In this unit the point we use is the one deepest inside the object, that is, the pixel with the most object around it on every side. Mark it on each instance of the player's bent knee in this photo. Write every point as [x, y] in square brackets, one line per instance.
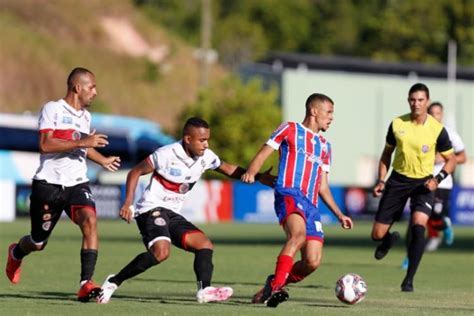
[313, 264]
[160, 253]
[297, 240]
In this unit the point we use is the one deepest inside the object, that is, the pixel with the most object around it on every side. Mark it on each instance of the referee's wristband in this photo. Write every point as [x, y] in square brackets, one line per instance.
[441, 176]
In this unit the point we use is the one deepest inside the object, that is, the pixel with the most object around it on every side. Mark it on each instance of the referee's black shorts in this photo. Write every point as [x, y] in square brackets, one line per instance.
[398, 190]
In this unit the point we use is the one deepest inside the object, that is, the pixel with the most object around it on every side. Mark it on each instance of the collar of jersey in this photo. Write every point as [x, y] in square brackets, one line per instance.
[183, 156]
[307, 129]
[70, 109]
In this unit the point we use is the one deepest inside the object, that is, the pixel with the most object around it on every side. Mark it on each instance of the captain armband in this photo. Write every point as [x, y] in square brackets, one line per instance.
[441, 176]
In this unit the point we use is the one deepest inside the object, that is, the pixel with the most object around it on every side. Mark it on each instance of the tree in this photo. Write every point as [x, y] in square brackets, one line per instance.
[241, 117]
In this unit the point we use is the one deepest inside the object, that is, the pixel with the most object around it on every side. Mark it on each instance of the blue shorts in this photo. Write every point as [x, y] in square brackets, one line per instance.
[289, 201]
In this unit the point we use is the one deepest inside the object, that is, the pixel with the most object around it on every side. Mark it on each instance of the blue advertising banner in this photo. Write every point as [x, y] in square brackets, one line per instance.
[462, 206]
[254, 204]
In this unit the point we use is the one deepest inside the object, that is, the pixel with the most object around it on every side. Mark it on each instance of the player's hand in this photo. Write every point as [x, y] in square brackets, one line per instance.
[127, 212]
[267, 178]
[378, 189]
[431, 184]
[111, 163]
[346, 222]
[95, 140]
[247, 178]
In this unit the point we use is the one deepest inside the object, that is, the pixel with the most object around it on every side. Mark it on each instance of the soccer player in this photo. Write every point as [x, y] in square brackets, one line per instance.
[304, 163]
[440, 219]
[415, 137]
[60, 183]
[175, 168]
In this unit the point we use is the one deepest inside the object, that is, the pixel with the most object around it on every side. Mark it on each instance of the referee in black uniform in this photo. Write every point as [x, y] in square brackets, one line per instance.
[415, 137]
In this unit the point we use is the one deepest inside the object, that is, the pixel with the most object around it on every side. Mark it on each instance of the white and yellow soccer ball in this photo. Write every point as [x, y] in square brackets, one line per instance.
[351, 288]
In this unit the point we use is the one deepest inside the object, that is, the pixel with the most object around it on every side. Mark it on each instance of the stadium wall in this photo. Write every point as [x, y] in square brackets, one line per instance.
[364, 106]
[217, 201]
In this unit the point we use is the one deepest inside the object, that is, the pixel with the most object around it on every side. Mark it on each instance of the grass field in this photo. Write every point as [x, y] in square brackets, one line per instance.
[244, 256]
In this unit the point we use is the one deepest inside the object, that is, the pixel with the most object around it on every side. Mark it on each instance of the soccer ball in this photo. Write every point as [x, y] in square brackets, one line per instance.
[351, 289]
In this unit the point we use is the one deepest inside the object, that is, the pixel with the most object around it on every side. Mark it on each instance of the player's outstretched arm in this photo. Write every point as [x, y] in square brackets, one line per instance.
[144, 167]
[50, 144]
[326, 196]
[111, 163]
[236, 172]
[256, 164]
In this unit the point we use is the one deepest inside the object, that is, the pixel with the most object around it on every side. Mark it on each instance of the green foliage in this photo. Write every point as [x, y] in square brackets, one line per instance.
[379, 29]
[241, 117]
[239, 40]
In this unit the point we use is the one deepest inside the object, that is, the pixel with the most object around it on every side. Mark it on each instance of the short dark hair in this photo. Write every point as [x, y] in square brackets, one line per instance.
[76, 73]
[318, 98]
[194, 122]
[419, 87]
[434, 104]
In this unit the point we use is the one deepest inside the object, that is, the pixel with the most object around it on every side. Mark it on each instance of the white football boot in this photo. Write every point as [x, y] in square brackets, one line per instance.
[214, 294]
[108, 288]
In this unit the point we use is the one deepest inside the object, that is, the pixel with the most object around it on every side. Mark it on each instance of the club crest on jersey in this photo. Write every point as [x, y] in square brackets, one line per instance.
[46, 217]
[159, 221]
[425, 148]
[183, 188]
[203, 163]
[76, 135]
[155, 213]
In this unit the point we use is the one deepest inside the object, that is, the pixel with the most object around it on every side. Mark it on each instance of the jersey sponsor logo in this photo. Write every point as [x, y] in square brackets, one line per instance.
[46, 217]
[67, 120]
[175, 172]
[46, 207]
[46, 225]
[159, 221]
[155, 213]
[176, 199]
[310, 157]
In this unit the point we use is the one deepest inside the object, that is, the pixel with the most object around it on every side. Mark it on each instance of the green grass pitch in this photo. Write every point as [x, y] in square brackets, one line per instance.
[244, 255]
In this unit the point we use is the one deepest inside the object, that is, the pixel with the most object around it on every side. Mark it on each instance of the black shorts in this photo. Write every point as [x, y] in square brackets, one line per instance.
[161, 223]
[48, 202]
[441, 204]
[397, 191]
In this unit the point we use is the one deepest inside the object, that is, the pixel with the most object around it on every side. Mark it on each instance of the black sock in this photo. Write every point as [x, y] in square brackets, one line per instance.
[415, 249]
[88, 260]
[203, 267]
[18, 253]
[140, 264]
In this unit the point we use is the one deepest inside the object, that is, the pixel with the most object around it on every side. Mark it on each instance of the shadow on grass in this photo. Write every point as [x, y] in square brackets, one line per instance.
[461, 243]
[227, 283]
